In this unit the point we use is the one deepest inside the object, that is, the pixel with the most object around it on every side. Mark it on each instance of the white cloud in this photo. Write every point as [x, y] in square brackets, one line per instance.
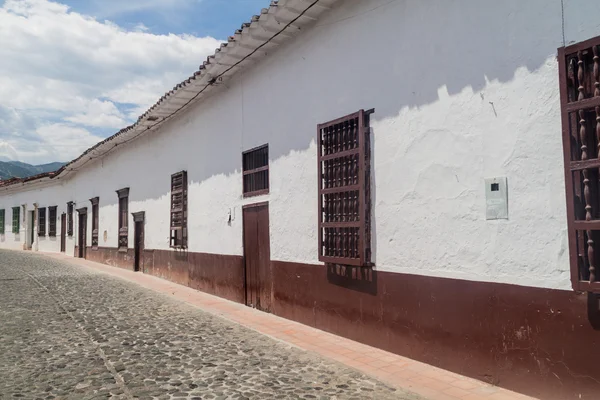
[64, 71]
[8, 152]
[111, 8]
[99, 114]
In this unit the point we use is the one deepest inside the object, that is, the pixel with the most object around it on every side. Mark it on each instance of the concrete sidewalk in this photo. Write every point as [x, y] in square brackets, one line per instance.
[425, 380]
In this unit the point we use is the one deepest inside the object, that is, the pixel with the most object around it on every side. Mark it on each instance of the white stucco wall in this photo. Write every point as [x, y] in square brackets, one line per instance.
[42, 195]
[462, 91]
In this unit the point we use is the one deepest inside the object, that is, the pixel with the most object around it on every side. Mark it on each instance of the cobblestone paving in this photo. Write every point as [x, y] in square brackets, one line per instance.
[70, 333]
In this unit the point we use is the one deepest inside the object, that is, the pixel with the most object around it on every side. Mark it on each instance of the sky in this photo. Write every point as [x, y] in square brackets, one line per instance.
[73, 72]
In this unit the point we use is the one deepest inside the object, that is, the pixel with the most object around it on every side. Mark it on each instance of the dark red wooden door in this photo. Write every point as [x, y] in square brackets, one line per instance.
[138, 244]
[63, 232]
[82, 234]
[257, 255]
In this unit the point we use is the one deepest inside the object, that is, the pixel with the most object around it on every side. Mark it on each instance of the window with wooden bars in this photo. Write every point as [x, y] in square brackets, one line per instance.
[179, 210]
[579, 74]
[42, 221]
[255, 164]
[52, 221]
[344, 154]
[16, 212]
[70, 218]
[95, 221]
[2, 222]
[123, 218]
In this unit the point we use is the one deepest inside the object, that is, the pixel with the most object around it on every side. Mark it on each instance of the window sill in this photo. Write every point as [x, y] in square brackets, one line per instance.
[256, 193]
[122, 249]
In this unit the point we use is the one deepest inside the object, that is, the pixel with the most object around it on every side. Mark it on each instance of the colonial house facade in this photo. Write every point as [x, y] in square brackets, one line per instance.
[420, 176]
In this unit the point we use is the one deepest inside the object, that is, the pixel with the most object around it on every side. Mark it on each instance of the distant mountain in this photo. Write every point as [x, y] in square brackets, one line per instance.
[18, 169]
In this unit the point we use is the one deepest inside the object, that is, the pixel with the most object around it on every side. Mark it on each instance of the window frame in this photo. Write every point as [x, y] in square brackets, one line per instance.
[179, 241]
[583, 227]
[123, 219]
[41, 212]
[16, 216]
[52, 213]
[353, 249]
[95, 221]
[256, 171]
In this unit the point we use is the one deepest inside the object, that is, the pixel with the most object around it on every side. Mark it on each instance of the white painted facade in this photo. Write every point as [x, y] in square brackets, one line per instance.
[462, 91]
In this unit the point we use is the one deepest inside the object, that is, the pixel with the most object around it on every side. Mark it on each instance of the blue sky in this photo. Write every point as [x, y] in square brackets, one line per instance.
[215, 18]
[77, 71]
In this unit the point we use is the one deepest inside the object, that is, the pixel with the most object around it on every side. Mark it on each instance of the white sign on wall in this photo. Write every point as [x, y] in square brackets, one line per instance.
[496, 198]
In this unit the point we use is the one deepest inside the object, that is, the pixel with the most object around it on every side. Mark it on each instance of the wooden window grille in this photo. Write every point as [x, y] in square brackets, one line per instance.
[70, 218]
[255, 164]
[52, 221]
[179, 210]
[579, 75]
[344, 154]
[95, 221]
[123, 218]
[2, 221]
[42, 221]
[16, 211]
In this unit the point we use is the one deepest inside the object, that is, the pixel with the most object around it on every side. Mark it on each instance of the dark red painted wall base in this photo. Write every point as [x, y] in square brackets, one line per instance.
[533, 341]
[221, 275]
[111, 256]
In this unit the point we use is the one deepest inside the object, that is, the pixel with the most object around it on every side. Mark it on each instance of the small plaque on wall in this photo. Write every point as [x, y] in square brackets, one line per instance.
[496, 198]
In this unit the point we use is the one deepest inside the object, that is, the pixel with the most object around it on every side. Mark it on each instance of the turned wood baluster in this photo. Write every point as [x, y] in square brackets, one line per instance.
[335, 172]
[585, 172]
[355, 170]
[346, 242]
[356, 205]
[346, 171]
[596, 94]
[344, 202]
[346, 126]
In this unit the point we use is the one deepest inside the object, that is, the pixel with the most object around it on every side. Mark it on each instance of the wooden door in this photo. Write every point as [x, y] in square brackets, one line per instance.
[31, 227]
[63, 232]
[257, 256]
[138, 244]
[82, 234]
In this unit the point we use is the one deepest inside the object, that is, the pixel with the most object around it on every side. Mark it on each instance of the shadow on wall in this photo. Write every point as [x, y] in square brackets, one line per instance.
[386, 55]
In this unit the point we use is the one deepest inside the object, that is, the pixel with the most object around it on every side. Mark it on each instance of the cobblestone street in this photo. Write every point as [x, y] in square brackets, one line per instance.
[69, 332]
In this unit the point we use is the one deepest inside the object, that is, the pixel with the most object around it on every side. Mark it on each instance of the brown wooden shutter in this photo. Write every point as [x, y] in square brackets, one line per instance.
[16, 220]
[344, 156]
[95, 220]
[42, 221]
[579, 74]
[255, 166]
[123, 219]
[179, 210]
[52, 221]
[70, 218]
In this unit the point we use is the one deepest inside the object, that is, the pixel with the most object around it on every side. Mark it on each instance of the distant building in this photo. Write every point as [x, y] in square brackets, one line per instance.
[389, 171]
